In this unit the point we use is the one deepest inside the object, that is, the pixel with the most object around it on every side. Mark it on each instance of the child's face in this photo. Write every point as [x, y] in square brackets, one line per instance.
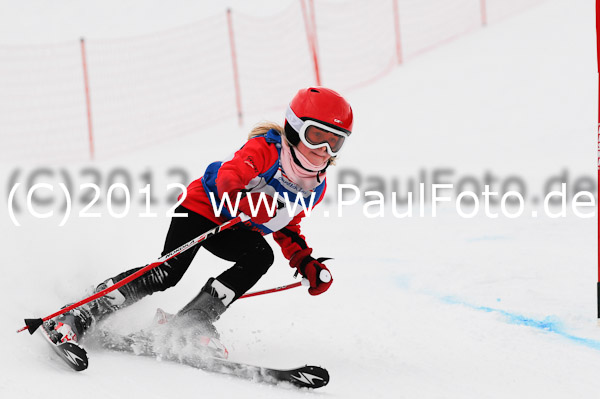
[316, 156]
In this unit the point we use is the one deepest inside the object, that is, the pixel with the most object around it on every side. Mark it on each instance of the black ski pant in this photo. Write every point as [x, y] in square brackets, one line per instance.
[248, 249]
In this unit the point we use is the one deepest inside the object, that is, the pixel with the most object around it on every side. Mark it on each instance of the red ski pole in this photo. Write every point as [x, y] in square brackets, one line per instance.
[33, 324]
[324, 276]
[276, 289]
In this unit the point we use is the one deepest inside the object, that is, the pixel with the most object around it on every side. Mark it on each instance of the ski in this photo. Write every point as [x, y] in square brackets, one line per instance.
[138, 344]
[73, 354]
[302, 377]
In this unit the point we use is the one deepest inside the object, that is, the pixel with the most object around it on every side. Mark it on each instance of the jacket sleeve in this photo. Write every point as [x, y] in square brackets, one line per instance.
[254, 158]
[290, 239]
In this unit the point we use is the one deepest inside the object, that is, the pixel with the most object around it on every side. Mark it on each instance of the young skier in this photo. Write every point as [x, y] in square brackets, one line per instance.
[274, 161]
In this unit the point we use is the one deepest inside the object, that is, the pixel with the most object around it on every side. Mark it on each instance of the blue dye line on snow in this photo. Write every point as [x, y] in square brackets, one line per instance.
[549, 324]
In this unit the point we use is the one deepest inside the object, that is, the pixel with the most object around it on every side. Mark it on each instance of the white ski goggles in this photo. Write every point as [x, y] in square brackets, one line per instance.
[315, 135]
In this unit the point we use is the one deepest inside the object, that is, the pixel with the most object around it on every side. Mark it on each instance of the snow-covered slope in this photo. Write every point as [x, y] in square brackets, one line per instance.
[442, 307]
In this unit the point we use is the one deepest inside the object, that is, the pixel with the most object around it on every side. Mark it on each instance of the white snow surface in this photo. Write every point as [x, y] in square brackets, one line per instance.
[420, 307]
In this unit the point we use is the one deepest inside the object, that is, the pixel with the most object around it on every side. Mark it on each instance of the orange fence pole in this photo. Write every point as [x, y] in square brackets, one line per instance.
[87, 98]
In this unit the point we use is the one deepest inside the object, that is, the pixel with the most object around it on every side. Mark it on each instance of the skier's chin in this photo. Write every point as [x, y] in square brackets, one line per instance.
[318, 157]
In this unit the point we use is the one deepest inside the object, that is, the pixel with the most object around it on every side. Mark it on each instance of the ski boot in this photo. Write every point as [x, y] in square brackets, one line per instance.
[68, 327]
[191, 330]
[184, 341]
[206, 308]
[72, 325]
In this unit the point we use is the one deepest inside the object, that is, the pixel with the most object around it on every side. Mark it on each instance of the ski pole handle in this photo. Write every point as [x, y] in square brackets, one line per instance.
[325, 276]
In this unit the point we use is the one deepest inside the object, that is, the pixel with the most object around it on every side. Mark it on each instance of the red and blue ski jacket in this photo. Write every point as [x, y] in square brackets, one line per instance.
[256, 167]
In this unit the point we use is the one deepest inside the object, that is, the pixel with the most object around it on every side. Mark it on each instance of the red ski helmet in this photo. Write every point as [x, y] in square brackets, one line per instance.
[323, 109]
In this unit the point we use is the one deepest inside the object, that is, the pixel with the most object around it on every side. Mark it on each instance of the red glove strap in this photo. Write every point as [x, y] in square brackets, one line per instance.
[298, 257]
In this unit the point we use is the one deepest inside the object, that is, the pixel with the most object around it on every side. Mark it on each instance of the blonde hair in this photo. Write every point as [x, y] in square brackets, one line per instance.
[263, 127]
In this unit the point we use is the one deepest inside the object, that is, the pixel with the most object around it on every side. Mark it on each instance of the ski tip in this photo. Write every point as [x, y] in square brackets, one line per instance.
[74, 355]
[32, 325]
